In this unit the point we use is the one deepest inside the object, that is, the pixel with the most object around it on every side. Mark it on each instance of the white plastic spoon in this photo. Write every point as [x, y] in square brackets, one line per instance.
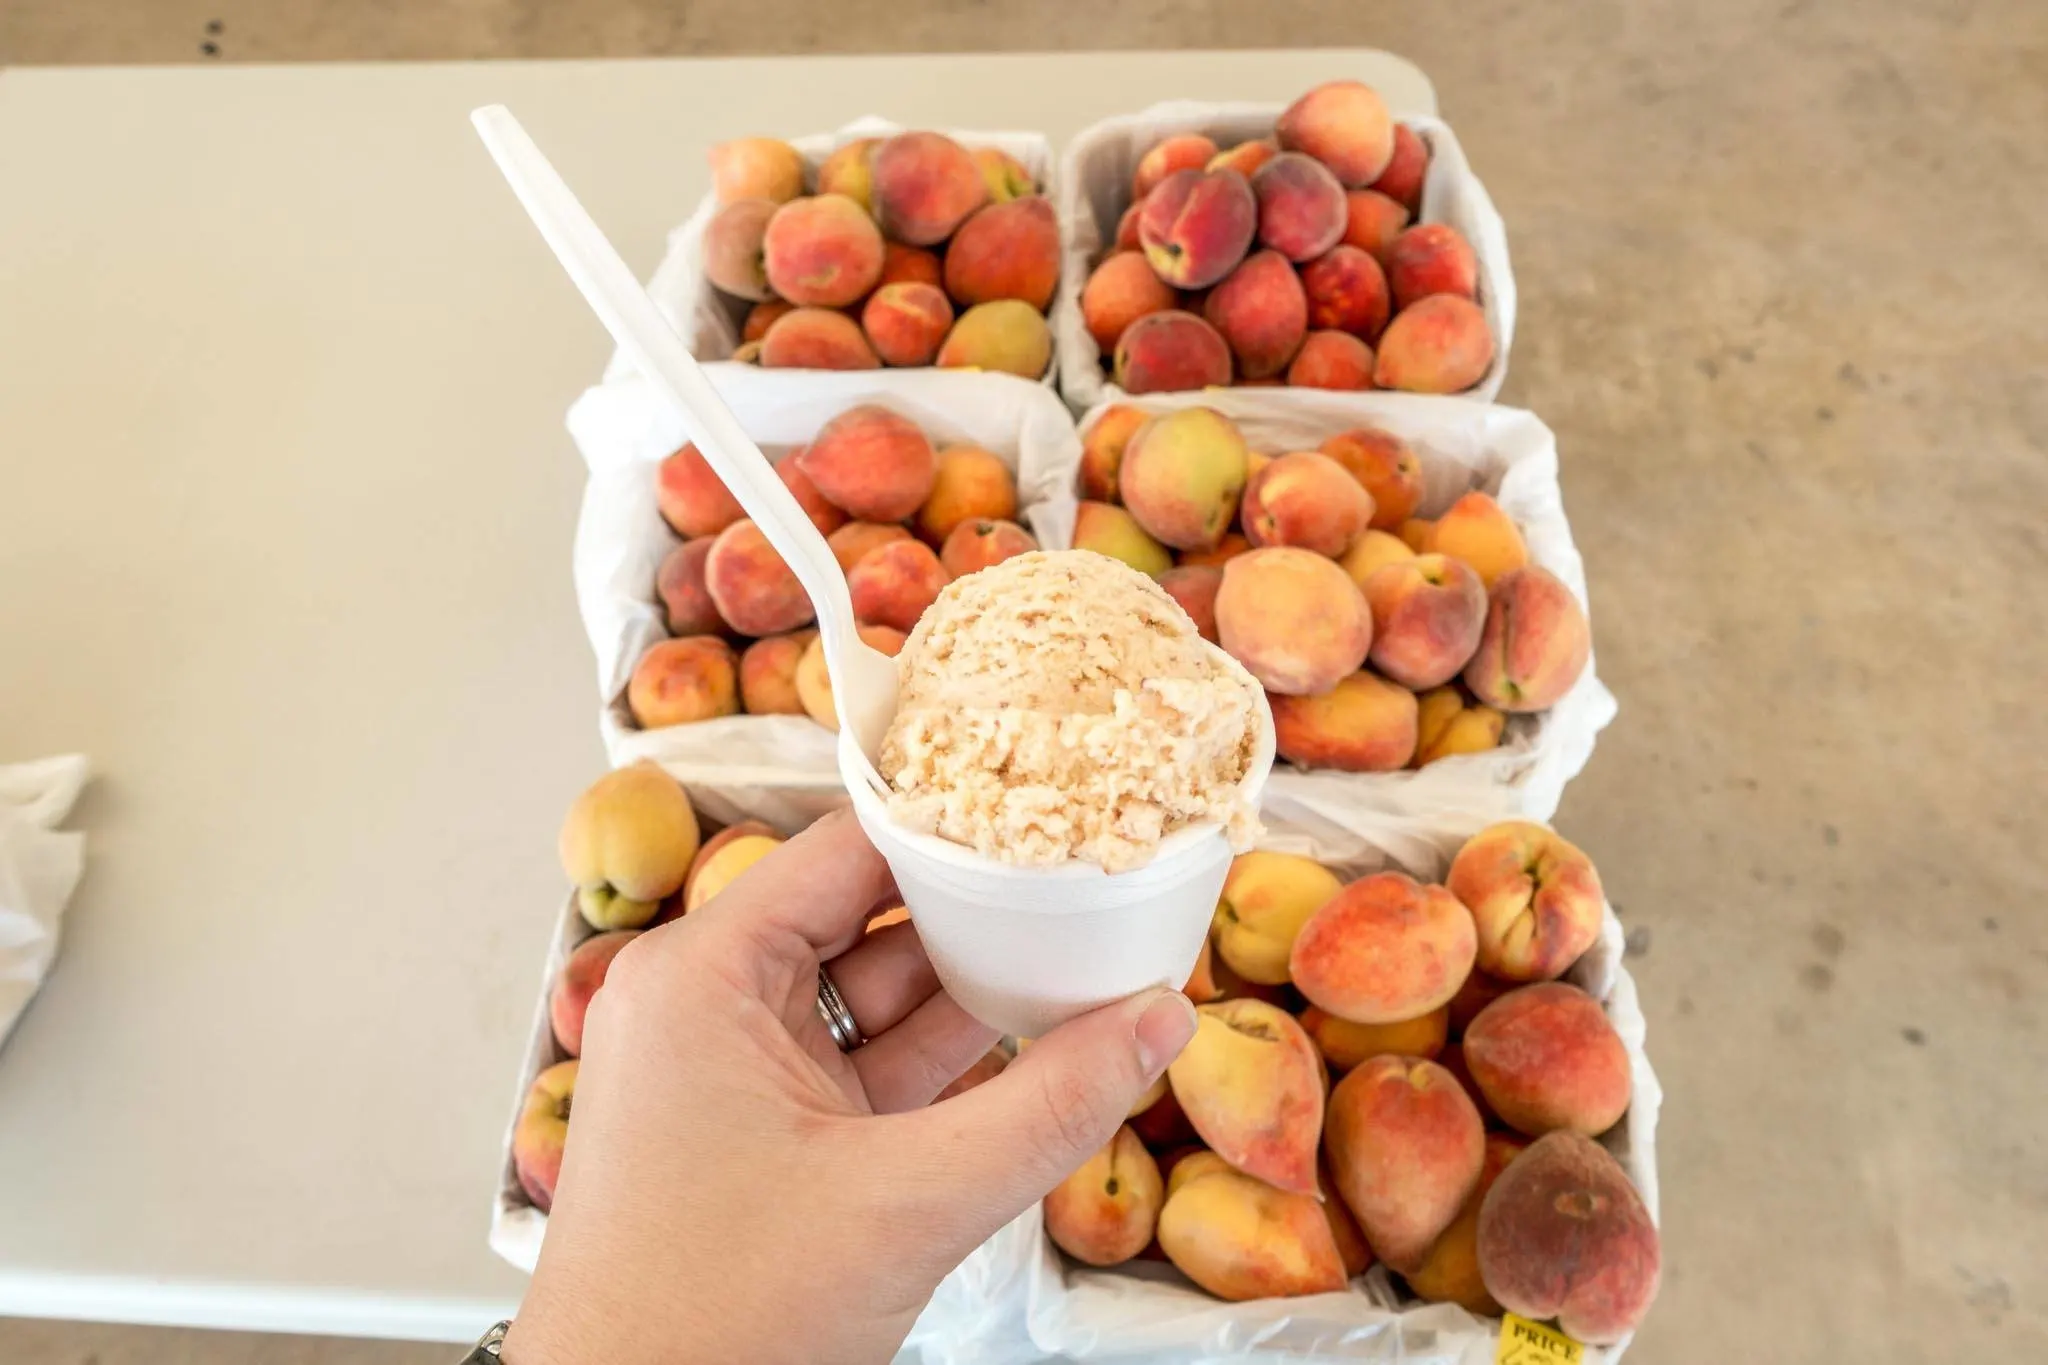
[863, 678]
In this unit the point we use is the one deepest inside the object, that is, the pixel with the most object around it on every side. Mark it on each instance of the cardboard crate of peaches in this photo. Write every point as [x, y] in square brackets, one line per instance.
[1296, 255]
[1391, 1071]
[1385, 639]
[904, 248]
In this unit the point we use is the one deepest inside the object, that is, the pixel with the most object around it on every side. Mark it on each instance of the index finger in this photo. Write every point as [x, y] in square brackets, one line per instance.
[819, 886]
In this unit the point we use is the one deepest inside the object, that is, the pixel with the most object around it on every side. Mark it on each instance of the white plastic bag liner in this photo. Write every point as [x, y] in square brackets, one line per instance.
[625, 431]
[1095, 189]
[39, 868]
[708, 320]
[1463, 446]
[1146, 1310]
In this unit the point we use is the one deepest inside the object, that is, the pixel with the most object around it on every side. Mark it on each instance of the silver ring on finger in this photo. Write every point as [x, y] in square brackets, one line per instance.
[839, 1021]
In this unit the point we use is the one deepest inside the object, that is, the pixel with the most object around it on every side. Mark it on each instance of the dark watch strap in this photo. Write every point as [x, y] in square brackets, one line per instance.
[488, 1346]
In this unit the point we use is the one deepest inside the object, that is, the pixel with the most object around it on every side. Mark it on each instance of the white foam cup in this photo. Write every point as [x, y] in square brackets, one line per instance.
[1024, 949]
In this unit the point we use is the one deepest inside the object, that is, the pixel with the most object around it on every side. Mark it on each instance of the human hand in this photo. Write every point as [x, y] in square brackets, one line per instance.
[736, 1189]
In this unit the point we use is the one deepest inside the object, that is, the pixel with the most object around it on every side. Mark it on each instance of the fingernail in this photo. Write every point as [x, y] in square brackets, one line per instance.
[1163, 1030]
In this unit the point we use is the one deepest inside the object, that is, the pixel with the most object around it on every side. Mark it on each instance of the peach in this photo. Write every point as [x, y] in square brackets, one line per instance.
[1227, 549]
[1193, 1165]
[723, 859]
[1266, 899]
[1119, 292]
[581, 976]
[1385, 949]
[1252, 1085]
[1372, 222]
[1447, 725]
[1241, 1239]
[894, 583]
[1479, 991]
[626, 843]
[1005, 176]
[1181, 152]
[1245, 158]
[1105, 1212]
[1170, 350]
[1345, 1044]
[1102, 449]
[851, 542]
[1127, 230]
[817, 339]
[1535, 900]
[1007, 335]
[1302, 212]
[746, 353]
[985, 1068]
[975, 545]
[911, 265]
[899, 914]
[1406, 1148]
[685, 602]
[814, 683]
[1347, 292]
[1439, 345]
[1181, 476]
[751, 586]
[817, 507]
[756, 168]
[543, 1131]
[1197, 225]
[1450, 1272]
[846, 172]
[1427, 613]
[1452, 1059]
[691, 498]
[925, 185]
[1418, 534]
[1563, 1234]
[1006, 251]
[762, 316]
[906, 323]
[681, 681]
[1364, 724]
[1331, 360]
[1373, 550]
[1306, 499]
[1261, 312]
[1535, 644]
[1293, 619]
[1205, 982]
[1344, 125]
[1546, 1058]
[768, 675]
[1163, 1123]
[735, 243]
[872, 462]
[1110, 530]
[1431, 258]
[1388, 468]
[1479, 531]
[1194, 587]
[972, 485]
[823, 251]
[1402, 180]
[1154, 1093]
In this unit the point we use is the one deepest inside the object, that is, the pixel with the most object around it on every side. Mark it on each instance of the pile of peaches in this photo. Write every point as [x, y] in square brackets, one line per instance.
[902, 517]
[1290, 260]
[910, 250]
[1308, 565]
[1456, 1145]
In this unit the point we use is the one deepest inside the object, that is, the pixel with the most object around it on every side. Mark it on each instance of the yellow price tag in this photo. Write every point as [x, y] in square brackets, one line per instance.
[1523, 1342]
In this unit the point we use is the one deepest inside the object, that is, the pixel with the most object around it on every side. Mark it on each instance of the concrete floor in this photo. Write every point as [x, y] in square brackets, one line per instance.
[1783, 301]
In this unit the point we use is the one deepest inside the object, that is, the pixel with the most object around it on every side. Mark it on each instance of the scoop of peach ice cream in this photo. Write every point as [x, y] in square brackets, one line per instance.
[1061, 706]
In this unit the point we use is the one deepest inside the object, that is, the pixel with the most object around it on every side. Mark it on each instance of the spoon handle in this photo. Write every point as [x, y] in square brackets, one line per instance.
[665, 362]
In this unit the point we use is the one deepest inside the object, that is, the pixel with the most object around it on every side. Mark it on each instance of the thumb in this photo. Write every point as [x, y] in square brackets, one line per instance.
[1024, 1131]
